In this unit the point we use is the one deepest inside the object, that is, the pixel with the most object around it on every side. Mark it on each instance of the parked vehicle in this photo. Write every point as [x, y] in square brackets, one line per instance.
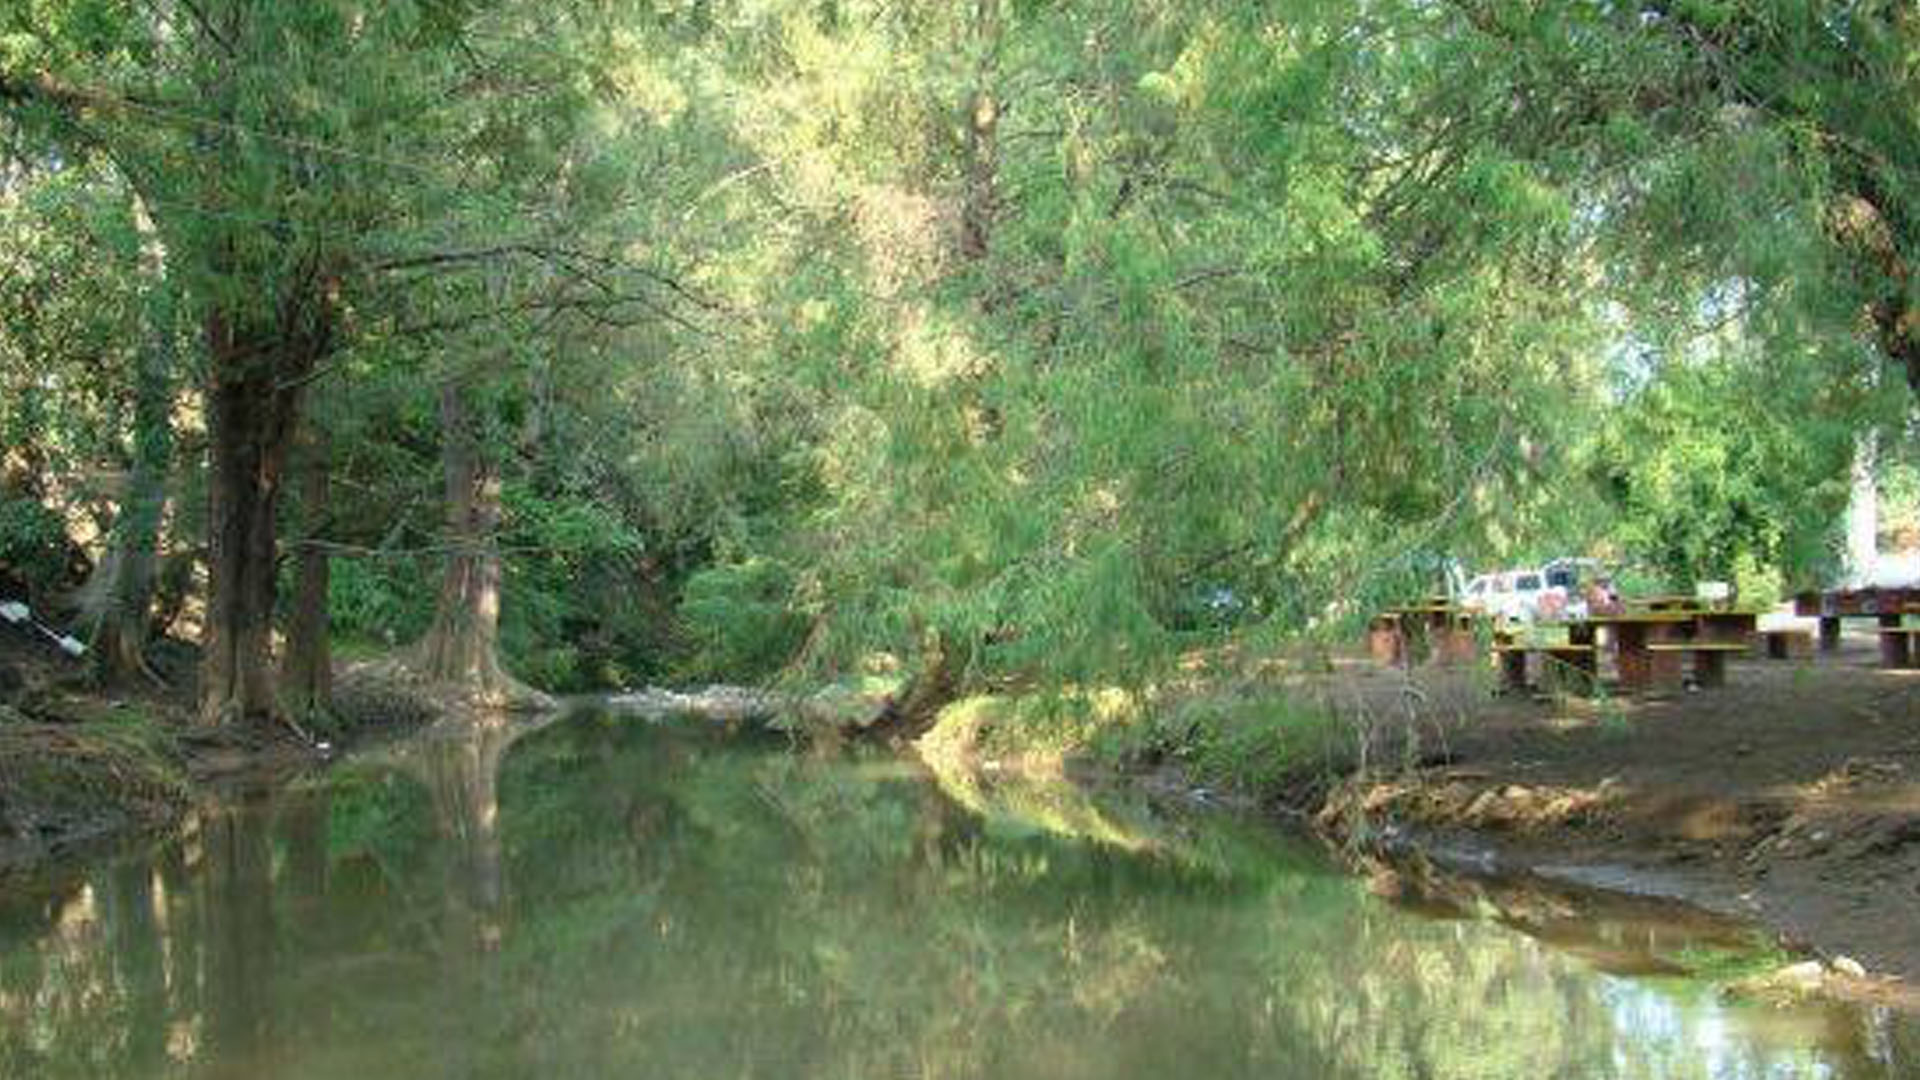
[1572, 575]
[1551, 592]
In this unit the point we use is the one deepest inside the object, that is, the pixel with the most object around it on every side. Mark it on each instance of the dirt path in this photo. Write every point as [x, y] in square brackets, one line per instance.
[1791, 796]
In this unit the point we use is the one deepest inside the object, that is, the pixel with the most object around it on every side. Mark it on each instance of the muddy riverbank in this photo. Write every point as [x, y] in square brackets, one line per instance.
[1791, 798]
[84, 767]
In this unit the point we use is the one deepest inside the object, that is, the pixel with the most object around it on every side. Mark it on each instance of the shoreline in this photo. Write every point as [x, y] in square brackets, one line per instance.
[86, 771]
[1480, 862]
[1461, 869]
[1789, 801]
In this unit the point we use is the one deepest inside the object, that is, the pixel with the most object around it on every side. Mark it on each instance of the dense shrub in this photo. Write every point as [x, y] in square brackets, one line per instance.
[740, 621]
[33, 548]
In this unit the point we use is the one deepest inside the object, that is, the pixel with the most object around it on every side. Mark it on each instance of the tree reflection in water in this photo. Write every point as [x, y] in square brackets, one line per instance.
[614, 899]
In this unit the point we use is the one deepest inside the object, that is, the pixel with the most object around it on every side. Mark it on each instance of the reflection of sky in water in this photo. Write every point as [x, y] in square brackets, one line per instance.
[1694, 1033]
[616, 902]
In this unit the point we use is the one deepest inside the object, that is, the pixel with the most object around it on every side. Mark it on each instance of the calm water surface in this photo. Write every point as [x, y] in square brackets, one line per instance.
[604, 898]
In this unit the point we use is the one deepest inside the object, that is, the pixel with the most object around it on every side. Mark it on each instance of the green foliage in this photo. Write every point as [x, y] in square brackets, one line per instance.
[741, 620]
[570, 570]
[1715, 474]
[785, 360]
[71, 328]
[1197, 354]
[1033, 726]
[383, 600]
[33, 547]
[1251, 743]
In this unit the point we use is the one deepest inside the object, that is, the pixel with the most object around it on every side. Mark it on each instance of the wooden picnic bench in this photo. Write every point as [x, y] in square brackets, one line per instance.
[1652, 648]
[1885, 605]
[1640, 668]
[1785, 644]
[1434, 629]
[1568, 664]
[1709, 657]
[1897, 648]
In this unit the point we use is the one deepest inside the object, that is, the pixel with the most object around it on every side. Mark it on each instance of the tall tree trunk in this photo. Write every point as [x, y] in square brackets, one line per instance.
[271, 309]
[306, 675]
[125, 596]
[252, 404]
[248, 451]
[462, 646]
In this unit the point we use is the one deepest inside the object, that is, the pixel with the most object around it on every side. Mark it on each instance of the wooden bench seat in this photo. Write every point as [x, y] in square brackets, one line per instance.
[1384, 639]
[1709, 657]
[1785, 644]
[1897, 648]
[1565, 664]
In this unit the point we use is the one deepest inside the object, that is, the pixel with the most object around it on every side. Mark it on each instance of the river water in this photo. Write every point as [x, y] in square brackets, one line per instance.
[600, 897]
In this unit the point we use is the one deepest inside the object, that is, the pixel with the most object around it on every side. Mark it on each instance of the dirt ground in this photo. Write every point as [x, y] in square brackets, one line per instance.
[1790, 796]
[84, 766]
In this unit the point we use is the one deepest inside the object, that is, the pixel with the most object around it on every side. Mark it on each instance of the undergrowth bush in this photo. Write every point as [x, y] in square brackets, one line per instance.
[383, 600]
[739, 620]
[32, 546]
[1250, 743]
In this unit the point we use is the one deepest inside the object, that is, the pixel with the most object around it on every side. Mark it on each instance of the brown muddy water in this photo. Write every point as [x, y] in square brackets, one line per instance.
[599, 897]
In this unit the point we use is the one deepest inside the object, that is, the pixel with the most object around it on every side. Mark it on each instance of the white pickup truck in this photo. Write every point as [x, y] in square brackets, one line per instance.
[1522, 595]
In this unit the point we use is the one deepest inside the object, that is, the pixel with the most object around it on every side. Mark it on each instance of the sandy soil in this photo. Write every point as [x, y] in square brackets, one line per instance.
[1790, 796]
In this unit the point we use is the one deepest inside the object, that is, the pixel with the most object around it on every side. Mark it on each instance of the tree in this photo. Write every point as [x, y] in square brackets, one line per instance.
[1773, 142]
[89, 363]
[1224, 330]
[984, 342]
[462, 646]
[306, 672]
[266, 139]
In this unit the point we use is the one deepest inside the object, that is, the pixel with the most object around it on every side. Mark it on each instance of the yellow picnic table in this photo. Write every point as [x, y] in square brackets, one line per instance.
[1651, 647]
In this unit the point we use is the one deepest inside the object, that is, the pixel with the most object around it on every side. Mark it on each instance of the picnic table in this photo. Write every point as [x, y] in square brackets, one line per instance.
[1651, 643]
[1898, 647]
[1717, 635]
[1568, 660]
[1886, 606]
[1435, 626]
[1650, 647]
[1633, 635]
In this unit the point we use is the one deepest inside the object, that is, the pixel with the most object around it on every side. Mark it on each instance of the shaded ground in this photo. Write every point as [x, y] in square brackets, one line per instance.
[1791, 796]
[84, 765]
[80, 765]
